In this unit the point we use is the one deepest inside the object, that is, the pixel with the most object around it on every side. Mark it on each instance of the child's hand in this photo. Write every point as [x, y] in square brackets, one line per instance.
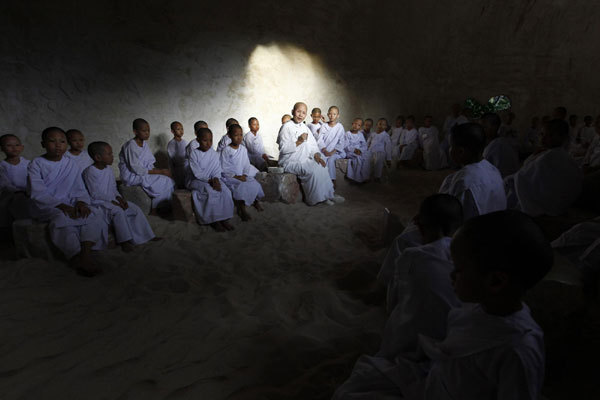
[319, 160]
[82, 209]
[167, 172]
[67, 210]
[215, 183]
[357, 151]
[301, 139]
[240, 177]
[123, 202]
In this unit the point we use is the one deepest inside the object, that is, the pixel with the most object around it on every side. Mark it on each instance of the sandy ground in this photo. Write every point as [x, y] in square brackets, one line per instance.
[277, 309]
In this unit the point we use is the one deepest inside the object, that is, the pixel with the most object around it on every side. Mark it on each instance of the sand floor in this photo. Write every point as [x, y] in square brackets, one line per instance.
[277, 309]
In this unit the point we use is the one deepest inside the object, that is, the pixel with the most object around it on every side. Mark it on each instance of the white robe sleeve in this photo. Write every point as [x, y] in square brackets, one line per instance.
[37, 189]
[133, 161]
[287, 143]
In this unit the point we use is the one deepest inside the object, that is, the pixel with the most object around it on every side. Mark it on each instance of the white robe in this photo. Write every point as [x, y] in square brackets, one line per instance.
[587, 134]
[209, 205]
[130, 224]
[433, 157]
[134, 164]
[13, 179]
[359, 165]
[479, 188]
[314, 128]
[419, 297]
[501, 154]
[395, 139]
[177, 154]
[547, 184]
[380, 147]
[235, 162]
[52, 183]
[410, 141]
[332, 138]
[83, 160]
[581, 244]
[592, 156]
[256, 149]
[299, 160]
[224, 142]
[483, 357]
[366, 134]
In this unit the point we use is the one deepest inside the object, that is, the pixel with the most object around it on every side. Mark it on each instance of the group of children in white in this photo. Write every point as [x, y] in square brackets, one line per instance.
[457, 327]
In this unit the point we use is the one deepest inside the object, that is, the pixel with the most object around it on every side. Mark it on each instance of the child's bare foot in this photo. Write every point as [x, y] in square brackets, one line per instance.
[227, 225]
[257, 205]
[127, 247]
[244, 215]
[218, 227]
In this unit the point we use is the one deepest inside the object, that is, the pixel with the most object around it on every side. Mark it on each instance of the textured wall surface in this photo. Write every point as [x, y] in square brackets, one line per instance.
[98, 65]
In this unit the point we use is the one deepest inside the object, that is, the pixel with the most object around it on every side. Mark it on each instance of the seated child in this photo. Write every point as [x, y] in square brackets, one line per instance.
[359, 159]
[286, 118]
[225, 139]
[238, 174]
[396, 134]
[493, 348]
[434, 157]
[176, 150]
[550, 181]
[59, 197]
[316, 123]
[331, 141]
[419, 289]
[127, 219]
[254, 144]
[14, 203]
[478, 184]
[136, 165]
[366, 131]
[77, 151]
[499, 150]
[380, 147]
[408, 143]
[193, 145]
[212, 201]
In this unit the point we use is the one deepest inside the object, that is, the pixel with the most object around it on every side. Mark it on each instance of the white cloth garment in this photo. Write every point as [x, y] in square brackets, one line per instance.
[419, 297]
[177, 156]
[82, 160]
[478, 186]
[224, 142]
[587, 134]
[332, 138]
[130, 224]
[483, 357]
[410, 141]
[235, 162]
[581, 244]
[134, 164]
[299, 160]
[366, 134]
[13, 179]
[433, 157]
[547, 184]
[52, 183]
[395, 139]
[592, 156]
[210, 205]
[256, 149]
[501, 154]
[314, 128]
[359, 165]
[380, 147]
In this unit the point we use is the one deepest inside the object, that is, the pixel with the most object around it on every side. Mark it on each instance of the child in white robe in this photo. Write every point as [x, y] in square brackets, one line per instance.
[176, 149]
[317, 122]
[285, 118]
[433, 157]
[493, 348]
[478, 184]
[366, 131]
[359, 159]
[418, 279]
[408, 143]
[550, 181]
[331, 141]
[127, 219]
[136, 166]
[396, 134]
[254, 144]
[238, 174]
[193, 145]
[225, 139]
[380, 147]
[212, 200]
[59, 197]
[14, 203]
[299, 155]
[77, 151]
[499, 150]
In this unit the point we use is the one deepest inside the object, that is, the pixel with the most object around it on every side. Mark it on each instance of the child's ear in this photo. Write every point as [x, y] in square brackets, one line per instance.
[43, 145]
[497, 281]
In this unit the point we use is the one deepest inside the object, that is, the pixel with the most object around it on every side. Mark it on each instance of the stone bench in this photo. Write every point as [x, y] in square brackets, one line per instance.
[182, 206]
[280, 187]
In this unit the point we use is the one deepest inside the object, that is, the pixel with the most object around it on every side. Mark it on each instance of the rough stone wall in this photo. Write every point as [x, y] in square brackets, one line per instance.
[98, 65]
